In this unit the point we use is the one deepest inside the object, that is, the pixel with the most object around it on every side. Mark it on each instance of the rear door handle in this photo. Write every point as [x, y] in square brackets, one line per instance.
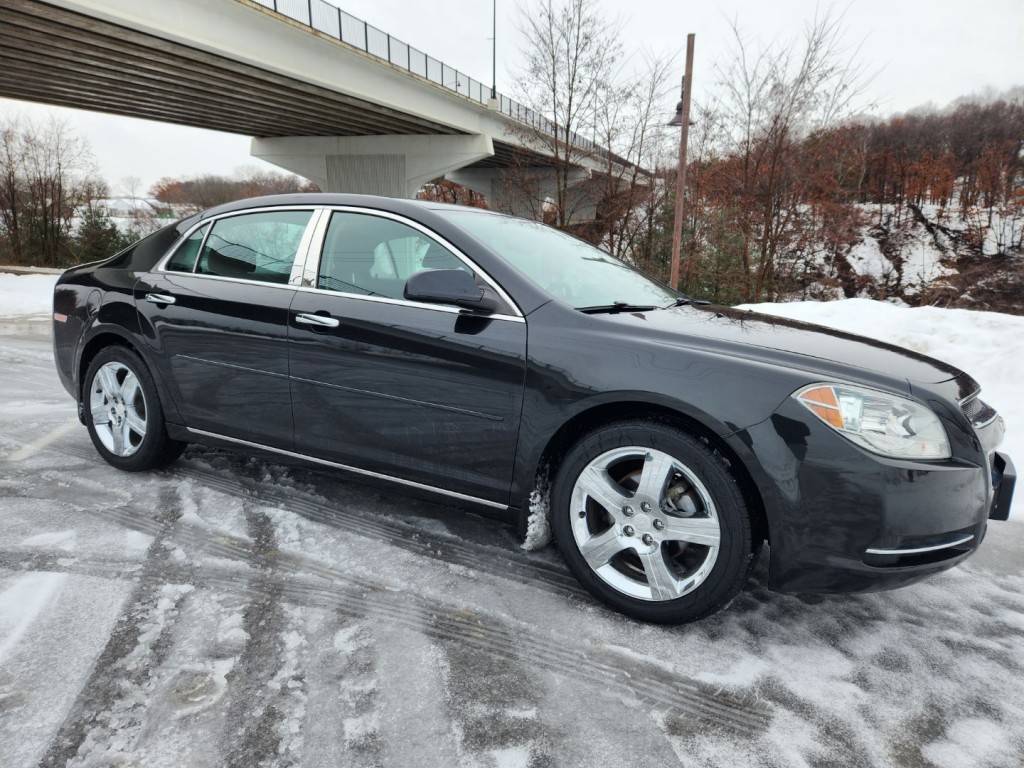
[160, 298]
[319, 320]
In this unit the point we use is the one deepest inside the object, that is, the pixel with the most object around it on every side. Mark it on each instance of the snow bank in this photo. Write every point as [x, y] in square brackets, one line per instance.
[987, 345]
[26, 294]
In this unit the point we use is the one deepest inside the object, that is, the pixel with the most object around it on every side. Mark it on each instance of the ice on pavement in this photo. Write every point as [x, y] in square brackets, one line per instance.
[231, 611]
[22, 602]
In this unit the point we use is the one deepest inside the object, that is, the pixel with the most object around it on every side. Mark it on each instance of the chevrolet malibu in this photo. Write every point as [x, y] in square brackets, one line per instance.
[484, 359]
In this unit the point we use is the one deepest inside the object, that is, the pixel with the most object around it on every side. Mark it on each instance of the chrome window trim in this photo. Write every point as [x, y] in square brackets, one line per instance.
[356, 470]
[314, 265]
[303, 248]
[452, 310]
[919, 550]
[240, 280]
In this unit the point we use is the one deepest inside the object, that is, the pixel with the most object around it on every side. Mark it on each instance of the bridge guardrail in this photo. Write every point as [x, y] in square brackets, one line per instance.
[334, 22]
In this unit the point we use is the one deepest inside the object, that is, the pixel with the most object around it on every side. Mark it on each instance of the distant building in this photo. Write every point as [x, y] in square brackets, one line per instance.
[132, 207]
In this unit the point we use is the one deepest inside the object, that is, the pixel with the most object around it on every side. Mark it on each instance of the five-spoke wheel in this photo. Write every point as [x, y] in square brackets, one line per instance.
[652, 522]
[118, 408]
[123, 414]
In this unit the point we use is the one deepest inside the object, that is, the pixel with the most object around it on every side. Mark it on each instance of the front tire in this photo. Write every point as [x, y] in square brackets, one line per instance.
[652, 522]
[123, 413]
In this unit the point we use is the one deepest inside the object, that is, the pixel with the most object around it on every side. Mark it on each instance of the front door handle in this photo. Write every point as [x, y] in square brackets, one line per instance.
[160, 298]
[319, 320]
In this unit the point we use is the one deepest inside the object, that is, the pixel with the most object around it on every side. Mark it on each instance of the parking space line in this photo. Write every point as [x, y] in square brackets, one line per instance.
[31, 449]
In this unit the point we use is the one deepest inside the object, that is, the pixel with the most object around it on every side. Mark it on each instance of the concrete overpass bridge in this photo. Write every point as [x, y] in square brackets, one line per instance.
[324, 94]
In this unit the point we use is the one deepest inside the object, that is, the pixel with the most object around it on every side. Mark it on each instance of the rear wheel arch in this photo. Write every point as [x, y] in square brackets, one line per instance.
[122, 411]
[599, 416]
[93, 347]
[114, 337]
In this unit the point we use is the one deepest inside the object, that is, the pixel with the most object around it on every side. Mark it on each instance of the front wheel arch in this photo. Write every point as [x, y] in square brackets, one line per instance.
[592, 419]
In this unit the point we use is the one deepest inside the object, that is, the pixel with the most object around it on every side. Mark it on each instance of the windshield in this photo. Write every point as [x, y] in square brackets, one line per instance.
[562, 265]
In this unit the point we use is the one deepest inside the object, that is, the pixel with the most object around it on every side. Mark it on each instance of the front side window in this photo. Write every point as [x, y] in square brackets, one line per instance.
[254, 246]
[374, 256]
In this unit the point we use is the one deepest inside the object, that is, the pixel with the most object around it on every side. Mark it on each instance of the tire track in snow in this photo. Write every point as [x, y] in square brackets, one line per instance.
[575, 658]
[257, 696]
[509, 565]
[493, 702]
[106, 707]
[343, 708]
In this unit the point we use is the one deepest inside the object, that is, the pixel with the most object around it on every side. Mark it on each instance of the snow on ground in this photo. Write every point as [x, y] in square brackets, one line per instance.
[26, 294]
[230, 611]
[866, 258]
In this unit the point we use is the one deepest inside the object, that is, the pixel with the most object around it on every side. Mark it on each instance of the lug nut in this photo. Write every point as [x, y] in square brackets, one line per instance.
[646, 507]
[628, 511]
[659, 525]
[628, 531]
[583, 513]
[647, 539]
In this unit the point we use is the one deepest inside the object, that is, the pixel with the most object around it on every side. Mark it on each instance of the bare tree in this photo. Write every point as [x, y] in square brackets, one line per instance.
[199, 192]
[571, 62]
[45, 171]
[771, 99]
[629, 125]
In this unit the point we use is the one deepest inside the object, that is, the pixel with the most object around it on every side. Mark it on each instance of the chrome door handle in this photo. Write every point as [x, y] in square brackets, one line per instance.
[160, 298]
[320, 320]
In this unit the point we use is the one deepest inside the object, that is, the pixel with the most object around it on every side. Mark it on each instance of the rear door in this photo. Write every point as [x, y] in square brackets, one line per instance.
[216, 316]
[419, 392]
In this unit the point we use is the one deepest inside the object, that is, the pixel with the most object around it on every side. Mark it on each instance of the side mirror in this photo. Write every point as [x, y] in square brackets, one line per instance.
[448, 286]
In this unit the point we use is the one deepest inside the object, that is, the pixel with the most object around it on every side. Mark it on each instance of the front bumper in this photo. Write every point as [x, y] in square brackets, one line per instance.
[843, 520]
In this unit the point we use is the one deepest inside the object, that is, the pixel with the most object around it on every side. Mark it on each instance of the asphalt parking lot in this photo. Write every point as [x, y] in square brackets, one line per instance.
[230, 611]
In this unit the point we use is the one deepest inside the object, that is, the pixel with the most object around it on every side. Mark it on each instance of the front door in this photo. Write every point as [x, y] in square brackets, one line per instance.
[419, 392]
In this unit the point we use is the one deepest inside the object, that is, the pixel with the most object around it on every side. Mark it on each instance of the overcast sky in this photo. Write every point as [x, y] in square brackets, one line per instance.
[923, 52]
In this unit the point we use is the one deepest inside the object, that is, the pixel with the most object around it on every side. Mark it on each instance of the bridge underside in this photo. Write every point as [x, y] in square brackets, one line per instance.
[55, 55]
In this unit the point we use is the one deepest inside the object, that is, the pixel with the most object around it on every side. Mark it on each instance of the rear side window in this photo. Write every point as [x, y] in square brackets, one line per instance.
[374, 256]
[254, 246]
[184, 259]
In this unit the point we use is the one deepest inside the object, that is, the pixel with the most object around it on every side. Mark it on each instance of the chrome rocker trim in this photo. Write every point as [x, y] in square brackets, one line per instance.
[356, 470]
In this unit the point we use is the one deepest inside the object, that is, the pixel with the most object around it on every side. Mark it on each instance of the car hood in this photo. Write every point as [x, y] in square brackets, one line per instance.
[789, 342]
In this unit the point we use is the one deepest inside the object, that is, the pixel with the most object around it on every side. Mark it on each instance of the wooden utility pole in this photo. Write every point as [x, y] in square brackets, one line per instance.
[684, 135]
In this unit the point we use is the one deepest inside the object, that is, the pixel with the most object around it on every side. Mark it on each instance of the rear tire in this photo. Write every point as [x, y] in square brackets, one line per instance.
[652, 522]
[123, 413]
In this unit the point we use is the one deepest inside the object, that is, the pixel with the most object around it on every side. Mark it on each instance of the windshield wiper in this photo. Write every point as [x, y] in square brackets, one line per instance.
[614, 308]
[684, 301]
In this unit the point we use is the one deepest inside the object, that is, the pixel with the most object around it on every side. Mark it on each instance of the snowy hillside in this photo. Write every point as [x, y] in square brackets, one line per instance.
[930, 255]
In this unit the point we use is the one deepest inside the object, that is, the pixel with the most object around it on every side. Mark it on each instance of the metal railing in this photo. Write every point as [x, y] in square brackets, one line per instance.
[334, 22]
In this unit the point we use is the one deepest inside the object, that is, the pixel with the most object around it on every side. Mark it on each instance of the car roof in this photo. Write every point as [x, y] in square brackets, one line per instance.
[333, 198]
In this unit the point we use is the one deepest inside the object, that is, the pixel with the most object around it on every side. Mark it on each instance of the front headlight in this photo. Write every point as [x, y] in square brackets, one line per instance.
[886, 424]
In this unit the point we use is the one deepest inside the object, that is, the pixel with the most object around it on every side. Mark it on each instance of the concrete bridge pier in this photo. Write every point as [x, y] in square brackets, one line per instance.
[526, 192]
[394, 166]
